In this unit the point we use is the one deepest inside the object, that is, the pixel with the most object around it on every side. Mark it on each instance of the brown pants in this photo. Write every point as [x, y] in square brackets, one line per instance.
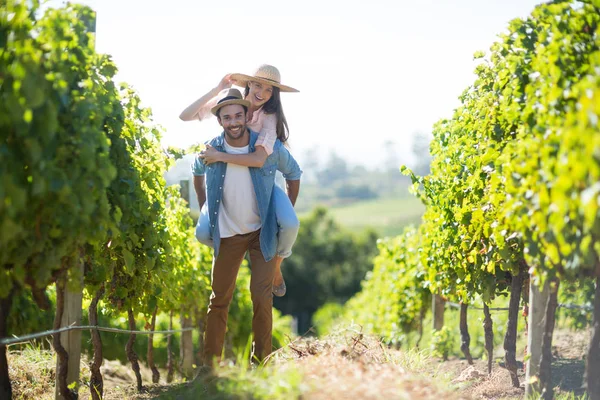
[224, 273]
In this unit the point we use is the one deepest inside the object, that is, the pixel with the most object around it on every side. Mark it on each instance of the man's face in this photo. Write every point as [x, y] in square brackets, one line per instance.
[233, 121]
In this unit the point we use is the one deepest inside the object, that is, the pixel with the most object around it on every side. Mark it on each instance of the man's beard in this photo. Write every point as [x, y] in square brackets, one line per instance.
[237, 136]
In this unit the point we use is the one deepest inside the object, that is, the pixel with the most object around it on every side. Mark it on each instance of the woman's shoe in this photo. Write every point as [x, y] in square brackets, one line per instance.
[279, 290]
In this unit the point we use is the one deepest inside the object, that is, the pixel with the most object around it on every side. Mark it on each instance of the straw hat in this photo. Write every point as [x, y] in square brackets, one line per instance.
[227, 97]
[267, 74]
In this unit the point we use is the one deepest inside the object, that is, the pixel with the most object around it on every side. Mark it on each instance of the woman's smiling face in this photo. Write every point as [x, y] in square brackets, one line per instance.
[259, 93]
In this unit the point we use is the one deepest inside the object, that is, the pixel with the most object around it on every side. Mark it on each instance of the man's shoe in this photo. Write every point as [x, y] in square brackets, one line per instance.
[279, 290]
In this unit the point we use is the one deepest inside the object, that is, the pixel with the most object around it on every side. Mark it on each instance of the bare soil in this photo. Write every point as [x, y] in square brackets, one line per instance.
[350, 366]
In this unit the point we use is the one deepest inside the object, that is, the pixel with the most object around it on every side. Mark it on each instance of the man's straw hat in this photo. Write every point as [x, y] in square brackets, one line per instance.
[227, 97]
[267, 74]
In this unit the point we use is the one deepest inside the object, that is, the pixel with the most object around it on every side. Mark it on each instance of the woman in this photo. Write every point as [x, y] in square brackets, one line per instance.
[265, 116]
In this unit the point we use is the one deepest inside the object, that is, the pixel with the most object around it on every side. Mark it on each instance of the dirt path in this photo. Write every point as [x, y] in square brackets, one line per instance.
[343, 366]
[350, 366]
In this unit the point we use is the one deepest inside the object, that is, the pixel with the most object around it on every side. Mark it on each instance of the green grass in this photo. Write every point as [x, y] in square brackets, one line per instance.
[31, 368]
[329, 365]
[388, 216]
[235, 382]
[241, 380]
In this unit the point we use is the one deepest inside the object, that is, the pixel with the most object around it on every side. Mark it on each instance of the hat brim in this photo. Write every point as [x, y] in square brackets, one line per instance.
[241, 102]
[242, 80]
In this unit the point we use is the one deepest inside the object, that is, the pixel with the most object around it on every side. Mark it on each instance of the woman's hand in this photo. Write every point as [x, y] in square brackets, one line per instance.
[225, 83]
[210, 155]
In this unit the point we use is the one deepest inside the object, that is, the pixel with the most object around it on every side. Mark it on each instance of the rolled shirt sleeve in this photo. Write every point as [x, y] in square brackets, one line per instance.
[287, 164]
[198, 167]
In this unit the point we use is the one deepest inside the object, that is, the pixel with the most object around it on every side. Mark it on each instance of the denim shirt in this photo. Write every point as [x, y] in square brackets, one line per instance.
[263, 180]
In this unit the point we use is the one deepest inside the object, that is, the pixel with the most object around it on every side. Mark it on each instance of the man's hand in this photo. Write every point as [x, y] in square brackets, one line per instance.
[210, 155]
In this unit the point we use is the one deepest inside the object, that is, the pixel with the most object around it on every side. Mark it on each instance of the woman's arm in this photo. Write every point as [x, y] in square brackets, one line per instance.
[193, 111]
[256, 159]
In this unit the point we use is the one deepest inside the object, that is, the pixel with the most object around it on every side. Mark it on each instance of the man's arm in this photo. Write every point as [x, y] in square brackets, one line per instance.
[199, 169]
[287, 164]
[291, 172]
[292, 189]
[200, 191]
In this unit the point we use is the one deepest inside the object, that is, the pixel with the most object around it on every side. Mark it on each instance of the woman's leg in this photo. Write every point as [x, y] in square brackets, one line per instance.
[288, 223]
[203, 227]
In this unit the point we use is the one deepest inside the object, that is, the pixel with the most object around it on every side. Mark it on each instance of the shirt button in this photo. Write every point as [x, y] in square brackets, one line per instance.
[222, 176]
[213, 226]
[215, 213]
[220, 187]
[217, 201]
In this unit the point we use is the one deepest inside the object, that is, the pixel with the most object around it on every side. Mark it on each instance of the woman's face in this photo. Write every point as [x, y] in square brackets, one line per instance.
[259, 93]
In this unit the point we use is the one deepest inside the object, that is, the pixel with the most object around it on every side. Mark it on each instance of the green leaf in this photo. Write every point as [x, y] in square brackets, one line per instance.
[28, 116]
[129, 260]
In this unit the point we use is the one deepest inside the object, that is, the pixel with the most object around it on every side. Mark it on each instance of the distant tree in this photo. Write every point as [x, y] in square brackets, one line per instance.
[359, 171]
[310, 165]
[336, 169]
[355, 192]
[327, 265]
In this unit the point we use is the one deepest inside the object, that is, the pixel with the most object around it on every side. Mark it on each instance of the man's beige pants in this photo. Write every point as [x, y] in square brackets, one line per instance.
[224, 273]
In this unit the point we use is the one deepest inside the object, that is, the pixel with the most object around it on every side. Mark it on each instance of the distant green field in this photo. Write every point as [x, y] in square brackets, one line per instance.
[387, 216]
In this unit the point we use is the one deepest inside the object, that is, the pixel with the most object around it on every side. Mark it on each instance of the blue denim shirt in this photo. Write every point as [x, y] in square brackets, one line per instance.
[263, 180]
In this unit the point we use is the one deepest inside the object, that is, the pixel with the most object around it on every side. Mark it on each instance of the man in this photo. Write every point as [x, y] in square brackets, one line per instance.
[242, 219]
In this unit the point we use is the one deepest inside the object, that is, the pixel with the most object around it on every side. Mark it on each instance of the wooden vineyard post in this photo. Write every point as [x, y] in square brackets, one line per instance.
[546, 359]
[73, 294]
[438, 305]
[422, 313]
[186, 350]
[184, 190]
[170, 361]
[592, 364]
[71, 340]
[187, 346]
[538, 298]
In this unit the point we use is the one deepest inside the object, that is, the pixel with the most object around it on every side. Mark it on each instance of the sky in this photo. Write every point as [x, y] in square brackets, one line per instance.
[371, 73]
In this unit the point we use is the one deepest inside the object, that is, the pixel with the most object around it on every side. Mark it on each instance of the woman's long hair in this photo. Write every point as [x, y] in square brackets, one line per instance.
[273, 106]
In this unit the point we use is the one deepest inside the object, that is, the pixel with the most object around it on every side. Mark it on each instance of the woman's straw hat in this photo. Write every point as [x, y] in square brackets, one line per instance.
[227, 97]
[267, 74]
